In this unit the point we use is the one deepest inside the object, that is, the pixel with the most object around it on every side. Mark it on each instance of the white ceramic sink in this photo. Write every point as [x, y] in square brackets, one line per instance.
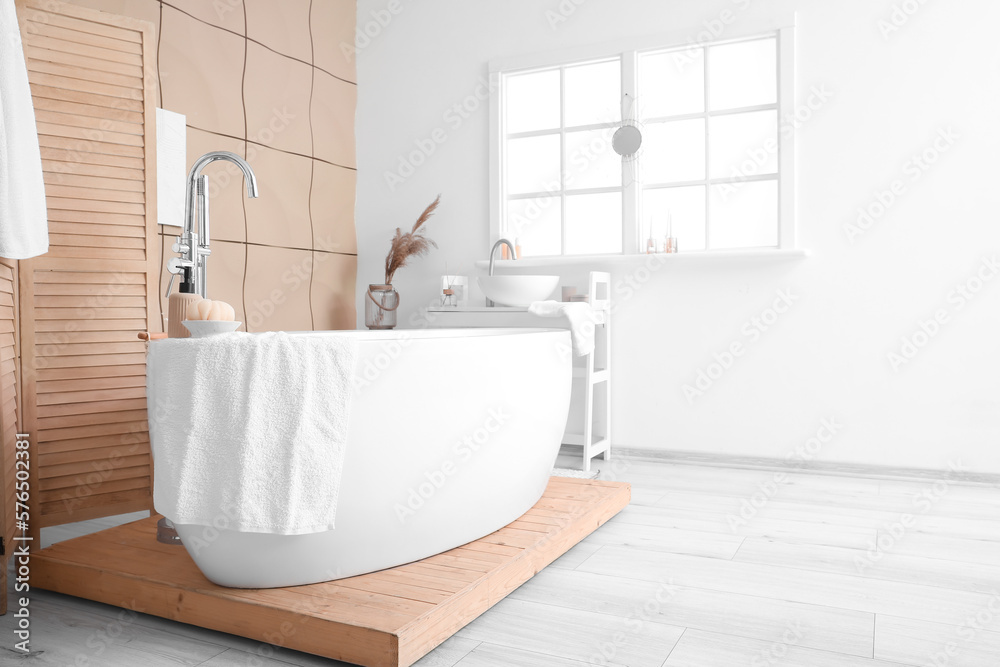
[518, 290]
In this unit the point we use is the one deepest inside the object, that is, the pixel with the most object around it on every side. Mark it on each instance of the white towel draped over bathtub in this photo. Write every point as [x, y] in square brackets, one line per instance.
[249, 431]
[24, 226]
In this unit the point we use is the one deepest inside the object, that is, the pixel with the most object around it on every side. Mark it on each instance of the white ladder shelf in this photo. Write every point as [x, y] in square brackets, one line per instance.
[596, 444]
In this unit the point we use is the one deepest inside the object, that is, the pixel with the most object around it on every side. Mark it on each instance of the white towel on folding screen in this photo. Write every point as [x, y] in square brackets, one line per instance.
[24, 227]
[581, 322]
[250, 428]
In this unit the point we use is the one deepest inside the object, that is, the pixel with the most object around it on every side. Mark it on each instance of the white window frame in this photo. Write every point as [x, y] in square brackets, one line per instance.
[782, 28]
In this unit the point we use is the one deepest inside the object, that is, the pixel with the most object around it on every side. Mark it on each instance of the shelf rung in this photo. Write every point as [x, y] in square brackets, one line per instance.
[599, 445]
[598, 376]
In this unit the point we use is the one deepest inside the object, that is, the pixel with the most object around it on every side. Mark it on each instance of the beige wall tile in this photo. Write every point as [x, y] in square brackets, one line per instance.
[333, 106]
[225, 276]
[277, 289]
[282, 26]
[226, 14]
[201, 72]
[333, 23]
[332, 205]
[280, 217]
[333, 291]
[225, 183]
[277, 100]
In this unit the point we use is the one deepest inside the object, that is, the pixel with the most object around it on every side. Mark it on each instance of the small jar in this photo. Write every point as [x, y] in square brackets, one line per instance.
[381, 302]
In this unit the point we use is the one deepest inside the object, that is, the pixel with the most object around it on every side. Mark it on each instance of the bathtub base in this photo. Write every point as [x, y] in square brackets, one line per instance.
[390, 618]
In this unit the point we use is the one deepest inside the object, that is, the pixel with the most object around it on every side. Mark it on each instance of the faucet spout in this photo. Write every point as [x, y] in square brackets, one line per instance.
[493, 251]
[194, 245]
[493, 258]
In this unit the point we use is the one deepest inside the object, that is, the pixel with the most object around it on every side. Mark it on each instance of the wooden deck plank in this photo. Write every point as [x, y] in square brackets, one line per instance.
[388, 618]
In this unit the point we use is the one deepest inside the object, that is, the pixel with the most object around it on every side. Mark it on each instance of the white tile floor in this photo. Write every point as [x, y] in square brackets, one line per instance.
[692, 574]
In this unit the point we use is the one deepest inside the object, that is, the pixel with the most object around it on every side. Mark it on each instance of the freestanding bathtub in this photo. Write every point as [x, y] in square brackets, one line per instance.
[453, 434]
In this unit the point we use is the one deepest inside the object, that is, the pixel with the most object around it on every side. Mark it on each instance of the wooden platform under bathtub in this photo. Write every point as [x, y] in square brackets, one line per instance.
[387, 618]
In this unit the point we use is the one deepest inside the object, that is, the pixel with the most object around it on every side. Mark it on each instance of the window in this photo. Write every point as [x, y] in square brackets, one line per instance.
[714, 167]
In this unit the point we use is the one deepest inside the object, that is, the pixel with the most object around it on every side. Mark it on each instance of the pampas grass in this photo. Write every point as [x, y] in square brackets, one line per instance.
[411, 244]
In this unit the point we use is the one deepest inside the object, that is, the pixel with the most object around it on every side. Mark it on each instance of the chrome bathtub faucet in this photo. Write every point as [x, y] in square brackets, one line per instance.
[193, 244]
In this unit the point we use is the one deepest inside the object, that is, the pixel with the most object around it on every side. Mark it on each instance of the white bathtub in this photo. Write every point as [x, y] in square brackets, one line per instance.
[453, 434]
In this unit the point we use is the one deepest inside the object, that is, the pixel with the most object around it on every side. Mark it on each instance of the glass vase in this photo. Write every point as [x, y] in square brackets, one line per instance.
[381, 303]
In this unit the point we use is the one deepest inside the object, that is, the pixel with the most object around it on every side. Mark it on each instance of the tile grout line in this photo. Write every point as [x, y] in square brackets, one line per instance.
[742, 542]
[671, 652]
[255, 41]
[786, 567]
[243, 201]
[280, 150]
[874, 630]
[163, 238]
[728, 592]
[284, 247]
[312, 169]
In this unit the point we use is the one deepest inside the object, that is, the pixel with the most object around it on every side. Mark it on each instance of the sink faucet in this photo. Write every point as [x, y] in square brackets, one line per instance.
[493, 252]
[493, 257]
[193, 245]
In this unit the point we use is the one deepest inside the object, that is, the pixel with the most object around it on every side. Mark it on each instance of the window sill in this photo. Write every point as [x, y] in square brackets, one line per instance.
[610, 261]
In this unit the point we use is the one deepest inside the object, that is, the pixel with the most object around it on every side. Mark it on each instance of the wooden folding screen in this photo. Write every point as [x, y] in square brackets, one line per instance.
[8, 413]
[83, 379]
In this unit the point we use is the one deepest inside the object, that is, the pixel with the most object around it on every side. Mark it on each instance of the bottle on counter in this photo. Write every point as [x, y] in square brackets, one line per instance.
[179, 303]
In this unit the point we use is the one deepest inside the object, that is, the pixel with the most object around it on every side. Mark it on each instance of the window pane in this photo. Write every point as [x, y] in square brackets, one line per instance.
[743, 144]
[672, 84]
[533, 164]
[535, 224]
[743, 74]
[590, 160]
[674, 151]
[686, 208]
[744, 215]
[532, 101]
[594, 224]
[593, 93]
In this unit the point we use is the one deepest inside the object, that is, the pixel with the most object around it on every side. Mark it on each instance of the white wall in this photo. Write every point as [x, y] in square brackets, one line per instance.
[827, 356]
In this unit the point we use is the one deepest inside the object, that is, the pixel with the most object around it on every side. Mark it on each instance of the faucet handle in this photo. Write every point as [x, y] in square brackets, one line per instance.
[180, 246]
[176, 265]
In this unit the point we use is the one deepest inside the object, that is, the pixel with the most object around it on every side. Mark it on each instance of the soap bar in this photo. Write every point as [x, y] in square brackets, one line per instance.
[206, 309]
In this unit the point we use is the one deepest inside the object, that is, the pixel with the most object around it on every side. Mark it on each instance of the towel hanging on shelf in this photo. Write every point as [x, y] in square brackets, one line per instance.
[581, 322]
[24, 228]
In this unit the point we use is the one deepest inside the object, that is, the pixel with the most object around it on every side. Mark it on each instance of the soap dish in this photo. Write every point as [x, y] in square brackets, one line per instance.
[203, 328]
